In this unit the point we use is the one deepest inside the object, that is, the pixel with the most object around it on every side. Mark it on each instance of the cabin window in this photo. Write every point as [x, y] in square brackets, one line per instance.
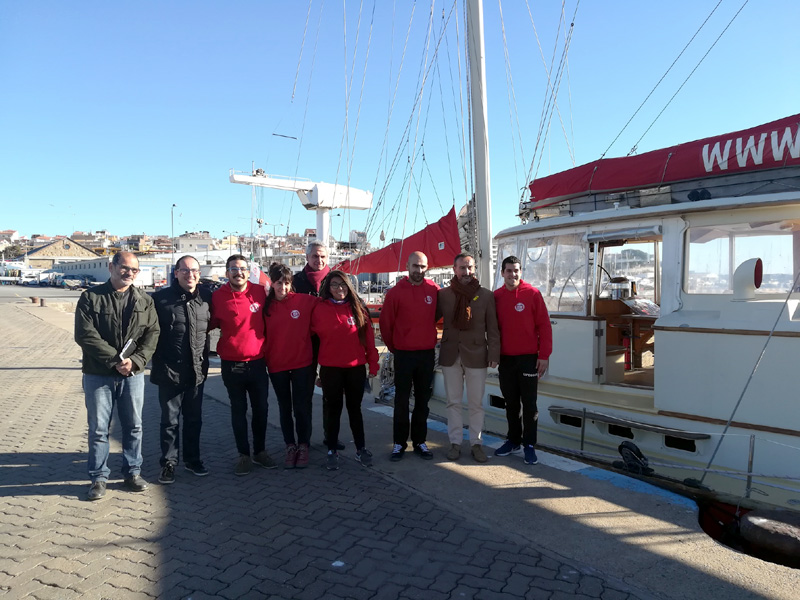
[714, 253]
[557, 266]
[638, 263]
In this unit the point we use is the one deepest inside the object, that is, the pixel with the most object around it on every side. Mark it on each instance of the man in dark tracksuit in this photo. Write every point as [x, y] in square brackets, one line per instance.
[308, 281]
[526, 342]
[180, 366]
[117, 329]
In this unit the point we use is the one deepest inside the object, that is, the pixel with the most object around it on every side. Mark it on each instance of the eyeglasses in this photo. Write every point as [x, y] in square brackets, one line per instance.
[339, 286]
[187, 271]
[124, 269]
[238, 269]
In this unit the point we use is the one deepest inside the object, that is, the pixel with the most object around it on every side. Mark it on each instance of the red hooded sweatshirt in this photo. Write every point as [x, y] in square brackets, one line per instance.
[288, 324]
[339, 344]
[408, 317]
[240, 318]
[524, 322]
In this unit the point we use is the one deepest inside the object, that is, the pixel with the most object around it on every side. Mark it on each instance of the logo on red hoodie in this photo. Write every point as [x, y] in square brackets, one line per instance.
[254, 307]
[519, 307]
[295, 314]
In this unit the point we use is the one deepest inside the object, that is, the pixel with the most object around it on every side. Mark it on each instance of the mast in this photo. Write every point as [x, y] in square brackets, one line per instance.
[480, 140]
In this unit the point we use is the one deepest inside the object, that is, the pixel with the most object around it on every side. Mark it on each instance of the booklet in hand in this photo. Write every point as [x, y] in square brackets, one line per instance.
[127, 350]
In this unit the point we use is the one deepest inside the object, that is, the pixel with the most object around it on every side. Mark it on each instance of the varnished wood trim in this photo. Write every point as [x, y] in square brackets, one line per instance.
[787, 334]
[739, 424]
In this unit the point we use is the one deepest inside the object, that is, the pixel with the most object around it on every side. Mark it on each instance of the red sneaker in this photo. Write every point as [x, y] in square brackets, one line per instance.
[302, 456]
[291, 457]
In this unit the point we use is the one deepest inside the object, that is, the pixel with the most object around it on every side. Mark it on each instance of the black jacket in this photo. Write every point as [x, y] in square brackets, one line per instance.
[181, 357]
[98, 328]
[302, 285]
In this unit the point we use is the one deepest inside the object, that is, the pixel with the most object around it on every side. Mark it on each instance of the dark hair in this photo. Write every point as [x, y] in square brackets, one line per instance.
[277, 271]
[463, 255]
[234, 258]
[356, 304]
[509, 260]
[183, 258]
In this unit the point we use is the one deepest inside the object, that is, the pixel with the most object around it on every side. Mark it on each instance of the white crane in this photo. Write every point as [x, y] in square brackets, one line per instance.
[321, 197]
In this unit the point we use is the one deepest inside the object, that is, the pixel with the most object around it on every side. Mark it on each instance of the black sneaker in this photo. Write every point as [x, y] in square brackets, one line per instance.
[397, 453]
[333, 461]
[339, 444]
[97, 491]
[136, 484]
[196, 468]
[364, 456]
[422, 450]
[167, 474]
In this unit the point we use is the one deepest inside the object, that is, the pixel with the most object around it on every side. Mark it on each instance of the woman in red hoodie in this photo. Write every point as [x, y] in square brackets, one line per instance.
[287, 319]
[347, 344]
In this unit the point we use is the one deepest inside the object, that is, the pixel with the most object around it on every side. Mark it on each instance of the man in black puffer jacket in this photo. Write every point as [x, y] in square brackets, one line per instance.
[180, 366]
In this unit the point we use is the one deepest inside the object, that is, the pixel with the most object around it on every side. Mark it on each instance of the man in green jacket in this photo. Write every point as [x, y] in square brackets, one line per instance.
[116, 326]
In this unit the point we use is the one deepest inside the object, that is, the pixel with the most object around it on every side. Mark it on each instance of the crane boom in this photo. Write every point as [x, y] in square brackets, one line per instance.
[318, 196]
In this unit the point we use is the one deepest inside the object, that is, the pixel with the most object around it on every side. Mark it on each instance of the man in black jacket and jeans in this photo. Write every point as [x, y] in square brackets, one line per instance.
[180, 366]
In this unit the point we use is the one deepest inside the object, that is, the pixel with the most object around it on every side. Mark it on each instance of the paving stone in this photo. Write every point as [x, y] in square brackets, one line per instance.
[274, 534]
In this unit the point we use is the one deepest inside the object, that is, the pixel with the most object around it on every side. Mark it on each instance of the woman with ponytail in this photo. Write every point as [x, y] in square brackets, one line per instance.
[347, 346]
[287, 317]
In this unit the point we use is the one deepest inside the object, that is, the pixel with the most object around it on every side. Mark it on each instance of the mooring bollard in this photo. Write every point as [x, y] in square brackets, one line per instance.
[42, 302]
[34, 299]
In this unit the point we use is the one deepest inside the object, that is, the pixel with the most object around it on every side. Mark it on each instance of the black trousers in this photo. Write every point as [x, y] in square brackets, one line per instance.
[312, 378]
[344, 386]
[519, 383]
[291, 389]
[176, 401]
[243, 379]
[412, 368]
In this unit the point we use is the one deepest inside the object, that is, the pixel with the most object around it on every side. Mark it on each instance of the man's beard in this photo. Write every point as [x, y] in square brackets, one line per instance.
[416, 277]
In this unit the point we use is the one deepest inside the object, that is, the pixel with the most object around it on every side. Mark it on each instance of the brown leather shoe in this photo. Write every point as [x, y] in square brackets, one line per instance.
[478, 454]
[454, 453]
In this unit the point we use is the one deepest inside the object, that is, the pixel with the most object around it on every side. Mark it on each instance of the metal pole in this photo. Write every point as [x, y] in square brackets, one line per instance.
[750, 466]
[583, 428]
[172, 235]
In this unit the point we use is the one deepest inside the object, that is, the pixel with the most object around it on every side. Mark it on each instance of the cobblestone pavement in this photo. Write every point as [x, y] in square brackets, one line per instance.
[304, 534]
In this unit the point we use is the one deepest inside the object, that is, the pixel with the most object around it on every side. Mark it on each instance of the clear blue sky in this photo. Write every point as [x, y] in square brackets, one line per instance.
[110, 112]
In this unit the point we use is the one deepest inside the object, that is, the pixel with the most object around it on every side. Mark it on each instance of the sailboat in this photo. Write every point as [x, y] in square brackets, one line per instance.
[671, 282]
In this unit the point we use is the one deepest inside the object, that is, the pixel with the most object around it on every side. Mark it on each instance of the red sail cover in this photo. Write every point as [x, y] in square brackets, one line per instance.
[769, 146]
[439, 241]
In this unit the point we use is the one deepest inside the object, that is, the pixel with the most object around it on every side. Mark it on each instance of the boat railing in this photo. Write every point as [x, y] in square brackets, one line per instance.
[747, 474]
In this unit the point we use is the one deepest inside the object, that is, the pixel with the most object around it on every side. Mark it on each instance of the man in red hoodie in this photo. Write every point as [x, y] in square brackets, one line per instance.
[526, 342]
[408, 328]
[237, 309]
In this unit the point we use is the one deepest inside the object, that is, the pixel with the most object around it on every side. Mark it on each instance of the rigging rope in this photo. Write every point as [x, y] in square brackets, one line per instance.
[658, 116]
[547, 109]
[703, 24]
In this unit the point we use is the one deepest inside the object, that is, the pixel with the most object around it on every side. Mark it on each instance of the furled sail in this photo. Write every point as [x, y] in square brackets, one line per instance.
[439, 241]
[768, 146]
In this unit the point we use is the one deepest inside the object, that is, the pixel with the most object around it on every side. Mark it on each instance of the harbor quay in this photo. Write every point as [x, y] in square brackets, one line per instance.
[411, 529]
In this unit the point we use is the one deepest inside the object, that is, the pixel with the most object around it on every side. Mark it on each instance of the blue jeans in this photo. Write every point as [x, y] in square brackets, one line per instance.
[102, 392]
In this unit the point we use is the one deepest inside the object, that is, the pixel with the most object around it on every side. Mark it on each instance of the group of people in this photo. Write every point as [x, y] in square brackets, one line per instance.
[310, 329]
[509, 329]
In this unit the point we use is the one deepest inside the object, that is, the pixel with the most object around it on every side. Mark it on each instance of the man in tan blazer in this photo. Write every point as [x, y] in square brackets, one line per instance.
[470, 343]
